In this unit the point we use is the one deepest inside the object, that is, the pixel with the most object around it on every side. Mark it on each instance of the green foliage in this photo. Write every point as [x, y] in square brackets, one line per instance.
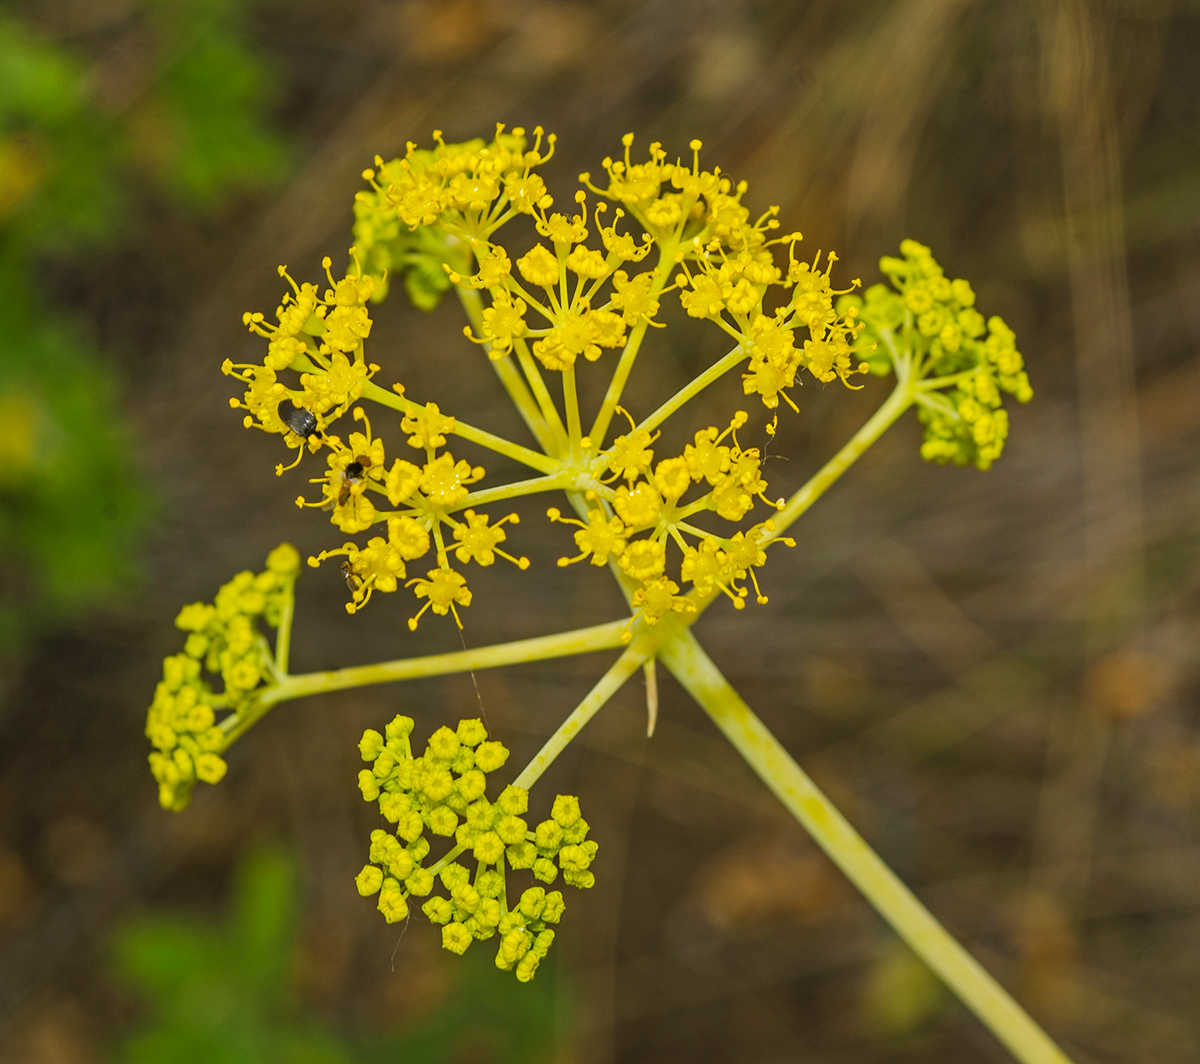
[69, 495]
[219, 994]
[71, 504]
[203, 133]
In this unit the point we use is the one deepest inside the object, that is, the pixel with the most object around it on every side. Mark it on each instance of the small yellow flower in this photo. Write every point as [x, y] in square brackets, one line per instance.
[368, 881]
[445, 589]
[621, 247]
[672, 478]
[632, 297]
[599, 538]
[640, 507]
[402, 481]
[539, 267]
[392, 902]
[503, 322]
[479, 541]
[561, 230]
[704, 301]
[706, 459]
[742, 299]
[664, 213]
[643, 559]
[408, 537]
[588, 263]
[630, 455]
[427, 427]
[443, 480]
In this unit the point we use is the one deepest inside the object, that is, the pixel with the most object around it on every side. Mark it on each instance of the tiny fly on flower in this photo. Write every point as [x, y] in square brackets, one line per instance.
[353, 580]
[352, 475]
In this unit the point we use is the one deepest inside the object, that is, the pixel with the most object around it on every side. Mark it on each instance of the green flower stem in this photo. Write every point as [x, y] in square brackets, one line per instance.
[895, 405]
[446, 859]
[833, 833]
[930, 384]
[541, 648]
[571, 402]
[607, 686]
[714, 372]
[534, 459]
[617, 385]
[520, 487]
[545, 401]
[510, 378]
[900, 400]
[666, 260]
[283, 633]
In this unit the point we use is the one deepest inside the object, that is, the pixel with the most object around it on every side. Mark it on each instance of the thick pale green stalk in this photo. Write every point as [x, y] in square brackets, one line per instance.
[891, 898]
[541, 648]
[607, 686]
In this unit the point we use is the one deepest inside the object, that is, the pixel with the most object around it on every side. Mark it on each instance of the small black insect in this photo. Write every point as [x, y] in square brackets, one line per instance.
[301, 421]
[351, 475]
[353, 580]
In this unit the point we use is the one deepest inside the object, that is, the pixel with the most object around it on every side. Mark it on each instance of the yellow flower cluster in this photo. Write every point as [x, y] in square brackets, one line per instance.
[321, 337]
[975, 362]
[730, 291]
[561, 285]
[431, 215]
[653, 500]
[425, 496]
[422, 210]
[676, 203]
[224, 640]
[442, 792]
[703, 218]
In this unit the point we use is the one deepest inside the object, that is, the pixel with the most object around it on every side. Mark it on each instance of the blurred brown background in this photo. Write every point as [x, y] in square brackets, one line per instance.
[994, 675]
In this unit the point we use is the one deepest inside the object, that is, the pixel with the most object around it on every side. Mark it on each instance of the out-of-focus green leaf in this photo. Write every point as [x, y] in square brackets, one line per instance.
[219, 993]
[72, 504]
[203, 132]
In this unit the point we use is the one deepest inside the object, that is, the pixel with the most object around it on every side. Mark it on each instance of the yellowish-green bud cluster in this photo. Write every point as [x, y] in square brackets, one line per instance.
[936, 318]
[223, 640]
[442, 792]
[405, 191]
